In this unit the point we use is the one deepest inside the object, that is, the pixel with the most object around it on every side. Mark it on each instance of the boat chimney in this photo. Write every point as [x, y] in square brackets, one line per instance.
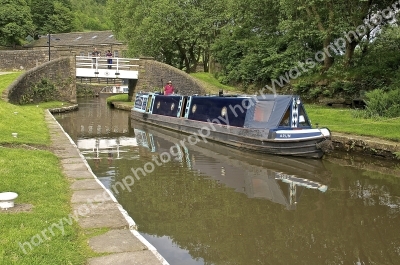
[221, 93]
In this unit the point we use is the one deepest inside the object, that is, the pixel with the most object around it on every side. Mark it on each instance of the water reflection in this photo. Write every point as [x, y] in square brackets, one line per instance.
[279, 179]
[217, 205]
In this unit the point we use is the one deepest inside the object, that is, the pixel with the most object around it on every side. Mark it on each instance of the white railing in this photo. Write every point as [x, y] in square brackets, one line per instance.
[100, 67]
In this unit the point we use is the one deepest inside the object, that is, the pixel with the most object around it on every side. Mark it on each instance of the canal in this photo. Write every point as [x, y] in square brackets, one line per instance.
[209, 204]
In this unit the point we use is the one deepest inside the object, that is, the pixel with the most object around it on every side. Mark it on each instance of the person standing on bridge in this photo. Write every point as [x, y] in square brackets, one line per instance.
[168, 89]
[95, 54]
[109, 59]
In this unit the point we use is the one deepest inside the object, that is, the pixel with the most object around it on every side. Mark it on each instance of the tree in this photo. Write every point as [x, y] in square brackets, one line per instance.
[323, 21]
[15, 22]
[98, 19]
[176, 32]
[51, 16]
[251, 48]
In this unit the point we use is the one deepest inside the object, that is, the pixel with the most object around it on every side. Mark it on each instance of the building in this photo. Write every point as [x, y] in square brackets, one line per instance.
[80, 43]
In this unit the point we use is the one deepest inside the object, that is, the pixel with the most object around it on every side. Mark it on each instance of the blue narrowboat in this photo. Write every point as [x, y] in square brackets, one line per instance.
[273, 124]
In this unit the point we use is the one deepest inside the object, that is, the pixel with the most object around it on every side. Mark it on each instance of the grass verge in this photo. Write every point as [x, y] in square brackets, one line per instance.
[212, 85]
[36, 176]
[342, 120]
[119, 98]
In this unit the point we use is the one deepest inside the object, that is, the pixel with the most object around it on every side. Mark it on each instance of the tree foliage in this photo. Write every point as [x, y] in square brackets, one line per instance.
[98, 19]
[254, 42]
[177, 32]
[51, 16]
[15, 21]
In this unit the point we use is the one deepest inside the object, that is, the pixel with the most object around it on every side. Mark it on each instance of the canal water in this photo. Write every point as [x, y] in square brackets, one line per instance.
[209, 204]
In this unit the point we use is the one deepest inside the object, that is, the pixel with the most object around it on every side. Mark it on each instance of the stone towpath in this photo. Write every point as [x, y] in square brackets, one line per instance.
[96, 207]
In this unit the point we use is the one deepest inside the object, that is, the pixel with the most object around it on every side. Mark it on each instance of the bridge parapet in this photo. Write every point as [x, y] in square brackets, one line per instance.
[101, 67]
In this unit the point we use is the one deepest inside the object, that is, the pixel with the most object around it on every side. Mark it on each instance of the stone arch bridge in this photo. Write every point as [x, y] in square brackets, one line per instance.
[143, 74]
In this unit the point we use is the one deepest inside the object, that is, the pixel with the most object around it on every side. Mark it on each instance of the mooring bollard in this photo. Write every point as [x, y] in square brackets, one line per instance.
[7, 199]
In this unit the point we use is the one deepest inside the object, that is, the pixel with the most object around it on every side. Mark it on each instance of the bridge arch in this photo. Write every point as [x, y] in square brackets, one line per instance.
[143, 74]
[151, 76]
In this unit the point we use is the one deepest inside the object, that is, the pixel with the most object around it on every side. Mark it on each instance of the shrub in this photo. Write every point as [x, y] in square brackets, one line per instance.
[327, 93]
[336, 87]
[302, 87]
[43, 91]
[315, 92]
[383, 104]
[349, 88]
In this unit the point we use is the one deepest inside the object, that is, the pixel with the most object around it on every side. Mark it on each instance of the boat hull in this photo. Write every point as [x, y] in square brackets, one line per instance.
[242, 138]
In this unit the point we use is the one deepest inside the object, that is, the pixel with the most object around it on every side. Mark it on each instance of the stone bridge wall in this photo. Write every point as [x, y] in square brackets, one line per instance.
[12, 60]
[60, 72]
[153, 76]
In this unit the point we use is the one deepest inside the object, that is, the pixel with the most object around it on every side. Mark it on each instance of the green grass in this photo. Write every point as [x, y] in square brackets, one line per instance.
[7, 79]
[211, 83]
[36, 176]
[342, 120]
[120, 98]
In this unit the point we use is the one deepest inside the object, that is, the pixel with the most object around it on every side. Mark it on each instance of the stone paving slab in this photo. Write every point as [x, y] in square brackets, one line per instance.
[71, 160]
[64, 153]
[99, 195]
[78, 174]
[127, 258]
[60, 136]
[75, 167]
[104, 215]
[53, 126]
[115, 241]
[62, 142]
[85, 184]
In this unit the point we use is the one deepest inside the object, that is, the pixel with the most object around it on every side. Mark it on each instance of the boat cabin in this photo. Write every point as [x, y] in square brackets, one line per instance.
[258, 112]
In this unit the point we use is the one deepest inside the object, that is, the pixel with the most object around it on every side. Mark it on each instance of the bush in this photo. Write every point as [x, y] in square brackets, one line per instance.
[302, 87]
[315, 93]
[349, 88]
[336, 87]
[43, 91]
[383, 104]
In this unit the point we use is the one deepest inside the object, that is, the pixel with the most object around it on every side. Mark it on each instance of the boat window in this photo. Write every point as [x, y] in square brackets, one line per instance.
[172, 106]
[138, 103]
[223, 111]
[183, 107]
[263, 110]
[149, 101]
[303, 122]
[144, 103]
[286, 118]
[194, 108]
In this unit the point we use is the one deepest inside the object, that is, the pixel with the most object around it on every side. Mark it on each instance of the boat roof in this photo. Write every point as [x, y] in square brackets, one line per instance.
[273, 108]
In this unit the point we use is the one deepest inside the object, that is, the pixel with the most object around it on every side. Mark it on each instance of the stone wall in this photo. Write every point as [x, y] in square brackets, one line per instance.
[13, 60]
[153, 76]
[60, 72]
[88, 90]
